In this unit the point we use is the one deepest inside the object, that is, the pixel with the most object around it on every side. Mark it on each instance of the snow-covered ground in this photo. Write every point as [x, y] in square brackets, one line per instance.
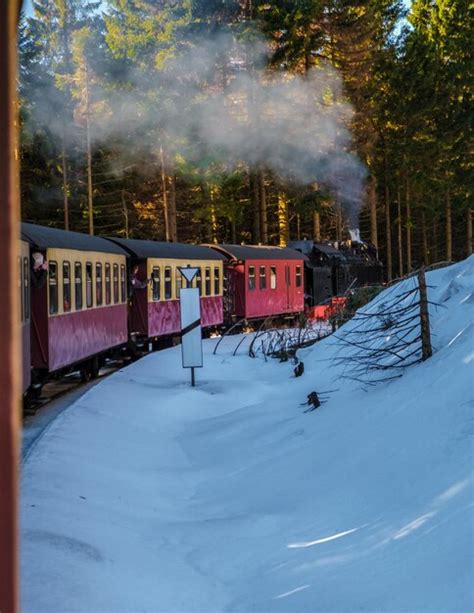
[148, 495]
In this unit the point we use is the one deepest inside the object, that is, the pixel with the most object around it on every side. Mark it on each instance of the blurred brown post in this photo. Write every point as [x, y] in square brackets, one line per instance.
[9, 323]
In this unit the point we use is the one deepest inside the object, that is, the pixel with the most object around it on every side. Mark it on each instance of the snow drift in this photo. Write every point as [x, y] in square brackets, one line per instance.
[147, 495]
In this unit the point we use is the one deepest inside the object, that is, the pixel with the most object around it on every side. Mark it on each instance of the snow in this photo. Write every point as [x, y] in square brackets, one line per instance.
[149, 495]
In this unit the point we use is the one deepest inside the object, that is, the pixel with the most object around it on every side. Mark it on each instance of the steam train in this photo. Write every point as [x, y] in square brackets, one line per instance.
[333, 268]
[86, 298]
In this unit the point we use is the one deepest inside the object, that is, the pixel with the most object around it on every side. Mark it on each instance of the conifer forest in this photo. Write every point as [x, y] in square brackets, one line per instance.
[255, 121]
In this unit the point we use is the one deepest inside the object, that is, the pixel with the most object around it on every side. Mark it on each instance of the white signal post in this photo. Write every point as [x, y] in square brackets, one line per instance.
[190, 308]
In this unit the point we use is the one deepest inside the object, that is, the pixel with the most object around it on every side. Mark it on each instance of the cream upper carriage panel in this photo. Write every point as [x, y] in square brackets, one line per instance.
[157, 281]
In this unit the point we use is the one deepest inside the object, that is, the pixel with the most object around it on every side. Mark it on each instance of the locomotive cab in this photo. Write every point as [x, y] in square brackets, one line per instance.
[326, 271]
[332, 268]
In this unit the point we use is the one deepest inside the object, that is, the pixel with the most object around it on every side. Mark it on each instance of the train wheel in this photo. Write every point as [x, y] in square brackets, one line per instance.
[31, 399]
[85, 374]
[132, 350]
[94, 368]
[28, 406]
[90, 370]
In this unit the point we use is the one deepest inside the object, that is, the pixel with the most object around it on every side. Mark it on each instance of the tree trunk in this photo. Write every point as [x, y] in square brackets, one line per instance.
[283, 226]
[65, 183]
[449, 233]
[408, 225]
[213, 220]
[125, 214]
[317, 226]
[172, 208]
[254, 120]
[388, 221]
[90, 203]
[388, 231]
[68, 70]
[426, 348]
[263, 207]
[435, 240]
[164, 187]
[339, 223]
[469, 230]
[337, 208]
[298, 226]
[255, 203]
[400, 236]
[424, 239]
[372, 197]
[233, 230]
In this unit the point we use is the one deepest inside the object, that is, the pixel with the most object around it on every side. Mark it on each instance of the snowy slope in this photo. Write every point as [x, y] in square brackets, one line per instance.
[147, 495]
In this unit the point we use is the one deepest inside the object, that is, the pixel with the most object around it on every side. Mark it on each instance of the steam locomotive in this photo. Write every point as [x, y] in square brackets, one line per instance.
[333, 268]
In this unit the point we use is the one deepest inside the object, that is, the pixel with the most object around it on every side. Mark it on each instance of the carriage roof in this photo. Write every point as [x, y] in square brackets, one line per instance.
[258, 252]
[43, 237]
[157, 249]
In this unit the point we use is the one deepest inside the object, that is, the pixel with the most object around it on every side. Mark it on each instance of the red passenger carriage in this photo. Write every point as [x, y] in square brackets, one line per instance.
[155, 286]
[263, 281]
[79, 307]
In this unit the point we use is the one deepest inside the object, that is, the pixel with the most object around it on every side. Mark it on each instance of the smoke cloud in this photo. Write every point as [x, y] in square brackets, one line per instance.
[214, 98]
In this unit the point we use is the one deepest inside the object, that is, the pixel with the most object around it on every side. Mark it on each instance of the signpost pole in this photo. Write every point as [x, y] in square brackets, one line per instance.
[191, 335]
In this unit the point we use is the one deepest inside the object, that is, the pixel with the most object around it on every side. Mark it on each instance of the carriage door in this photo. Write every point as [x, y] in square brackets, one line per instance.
[288, 284]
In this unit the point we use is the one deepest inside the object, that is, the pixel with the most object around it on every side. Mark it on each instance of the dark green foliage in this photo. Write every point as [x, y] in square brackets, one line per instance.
[409, 83]
[360, 296]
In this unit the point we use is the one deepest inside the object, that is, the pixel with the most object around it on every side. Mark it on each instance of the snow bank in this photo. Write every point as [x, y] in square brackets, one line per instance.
[147, 495]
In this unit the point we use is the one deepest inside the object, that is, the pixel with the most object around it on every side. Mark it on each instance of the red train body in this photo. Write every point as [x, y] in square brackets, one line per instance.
[73, 338]
[155, 308]
[79, 306]
[263, 281]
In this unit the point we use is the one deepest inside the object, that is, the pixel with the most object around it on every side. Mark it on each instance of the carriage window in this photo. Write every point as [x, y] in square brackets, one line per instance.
[179, 282]
[208, 281]
[217, 281]
[78, 284]
[156, 283]
[108, 292]
[199, 280]
[66, 286]
[298, 276]
[116, 284]
[167, 283]
[273, 277]
[53, 287]
[26, 289]
[89, 297]
[123, 285]
[251, 277]
[263, 277]
[98, 284]
[20, 286]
